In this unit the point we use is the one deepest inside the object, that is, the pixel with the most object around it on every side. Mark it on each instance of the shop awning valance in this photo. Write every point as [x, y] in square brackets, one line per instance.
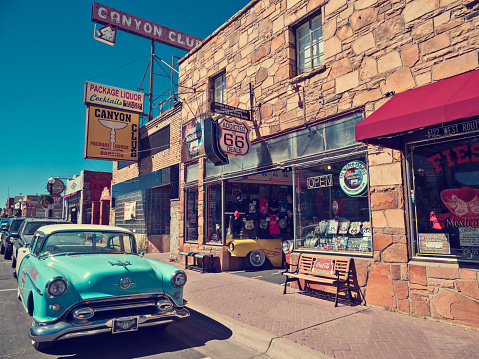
[435, 104]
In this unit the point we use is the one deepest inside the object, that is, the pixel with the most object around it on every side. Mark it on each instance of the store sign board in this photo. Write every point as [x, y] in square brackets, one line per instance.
[454, 129]
[137, 26]
[231, 111]
[57, 187]
[320, 181]
[353, 178]
[109, 96]
[235, 137]
[111, 135]
[192, 139]
[434, 243]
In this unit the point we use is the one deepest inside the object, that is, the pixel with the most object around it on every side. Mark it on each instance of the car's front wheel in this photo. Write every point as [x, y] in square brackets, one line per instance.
[255, 259]
[8, 253]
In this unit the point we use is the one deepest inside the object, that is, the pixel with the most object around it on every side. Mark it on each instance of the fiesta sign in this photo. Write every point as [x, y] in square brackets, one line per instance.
[138, 26]
[109, 96]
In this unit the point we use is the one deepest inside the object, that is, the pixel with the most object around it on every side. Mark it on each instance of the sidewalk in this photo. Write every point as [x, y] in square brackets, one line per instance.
[342, 332]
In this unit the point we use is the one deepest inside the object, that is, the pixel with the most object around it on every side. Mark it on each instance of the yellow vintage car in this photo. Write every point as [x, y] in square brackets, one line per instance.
[257, 252]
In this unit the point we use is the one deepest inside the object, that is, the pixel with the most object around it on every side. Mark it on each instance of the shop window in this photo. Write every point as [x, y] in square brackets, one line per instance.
[259, 206]
[157, 210]
[191, 217]
[444, 197]
[333, 206]
[219, 88]
[214, 200]
[192, 172]
[309, 45]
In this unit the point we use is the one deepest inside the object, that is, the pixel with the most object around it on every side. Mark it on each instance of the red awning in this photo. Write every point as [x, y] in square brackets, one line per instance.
[440, 102]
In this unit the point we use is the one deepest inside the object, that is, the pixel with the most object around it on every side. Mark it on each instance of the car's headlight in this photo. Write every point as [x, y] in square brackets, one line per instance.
[231, 246]
[179, 279]
[57, 287]
[287, 246]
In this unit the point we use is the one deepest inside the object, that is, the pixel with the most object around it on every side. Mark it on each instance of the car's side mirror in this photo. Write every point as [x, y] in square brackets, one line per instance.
[142, 253]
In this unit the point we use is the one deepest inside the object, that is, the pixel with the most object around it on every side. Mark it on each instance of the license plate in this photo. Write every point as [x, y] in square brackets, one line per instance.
[121, 325]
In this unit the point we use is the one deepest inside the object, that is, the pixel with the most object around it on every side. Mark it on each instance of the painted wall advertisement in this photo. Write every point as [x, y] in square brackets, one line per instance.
[111, 135]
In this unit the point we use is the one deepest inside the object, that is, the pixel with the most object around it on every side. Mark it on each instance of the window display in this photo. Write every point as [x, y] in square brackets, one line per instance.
[333, 206]
[444, 198]
[259, 206]
[191, 220]
[214, 230]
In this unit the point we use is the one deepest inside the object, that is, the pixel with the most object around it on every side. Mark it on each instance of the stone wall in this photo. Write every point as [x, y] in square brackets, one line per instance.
[372, 48]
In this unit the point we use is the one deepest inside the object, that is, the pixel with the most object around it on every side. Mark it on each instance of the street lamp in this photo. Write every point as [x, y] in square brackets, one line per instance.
[51, 181]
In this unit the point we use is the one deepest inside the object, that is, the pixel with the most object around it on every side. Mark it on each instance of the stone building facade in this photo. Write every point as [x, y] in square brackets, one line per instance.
[145, 194]
[370, 52]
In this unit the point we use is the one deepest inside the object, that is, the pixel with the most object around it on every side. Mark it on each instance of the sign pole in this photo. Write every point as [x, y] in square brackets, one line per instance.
[152, 60]
[255, 124]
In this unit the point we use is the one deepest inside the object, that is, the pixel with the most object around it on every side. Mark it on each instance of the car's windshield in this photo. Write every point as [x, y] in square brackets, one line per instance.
[15, 226]
[87, 242]
[31, 227]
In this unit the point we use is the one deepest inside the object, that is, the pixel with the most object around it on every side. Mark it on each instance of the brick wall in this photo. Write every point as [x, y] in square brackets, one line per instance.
[160, 160]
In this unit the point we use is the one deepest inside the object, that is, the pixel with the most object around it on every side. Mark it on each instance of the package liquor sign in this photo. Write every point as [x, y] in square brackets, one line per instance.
[111, 134]
[235, 137]
[103, 95]
[137, 26]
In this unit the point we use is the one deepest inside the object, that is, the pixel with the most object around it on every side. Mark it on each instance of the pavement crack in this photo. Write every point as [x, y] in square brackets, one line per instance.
[325, 322]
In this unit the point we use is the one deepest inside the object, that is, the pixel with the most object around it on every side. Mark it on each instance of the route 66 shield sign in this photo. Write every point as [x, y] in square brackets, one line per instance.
[235, 137]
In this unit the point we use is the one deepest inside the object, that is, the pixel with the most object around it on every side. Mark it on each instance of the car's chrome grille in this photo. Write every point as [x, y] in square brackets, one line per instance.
[116, 307]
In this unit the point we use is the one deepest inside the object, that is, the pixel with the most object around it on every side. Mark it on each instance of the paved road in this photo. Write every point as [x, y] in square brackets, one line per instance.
[199, 337]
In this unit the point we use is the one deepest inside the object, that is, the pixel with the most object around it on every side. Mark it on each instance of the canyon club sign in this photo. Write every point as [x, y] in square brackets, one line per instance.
[137, 26]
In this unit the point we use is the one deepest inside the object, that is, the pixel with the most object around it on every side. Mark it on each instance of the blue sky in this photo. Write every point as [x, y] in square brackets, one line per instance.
[47, 54]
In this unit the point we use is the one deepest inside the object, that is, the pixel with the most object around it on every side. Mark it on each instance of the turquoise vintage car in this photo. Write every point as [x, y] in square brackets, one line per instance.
[75, 286]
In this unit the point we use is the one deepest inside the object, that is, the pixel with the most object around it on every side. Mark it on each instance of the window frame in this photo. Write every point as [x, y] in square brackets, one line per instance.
[217, 81]
[300, 67]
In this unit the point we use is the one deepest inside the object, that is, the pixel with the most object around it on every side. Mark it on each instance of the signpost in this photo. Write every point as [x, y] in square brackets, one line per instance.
[231, 111]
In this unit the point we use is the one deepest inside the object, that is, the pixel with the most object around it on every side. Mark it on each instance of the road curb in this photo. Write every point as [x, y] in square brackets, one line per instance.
[259, 340]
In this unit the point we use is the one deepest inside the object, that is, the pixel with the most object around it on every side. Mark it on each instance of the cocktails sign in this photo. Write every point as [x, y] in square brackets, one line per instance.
[137, 26]
[97, 94]
[111, 135]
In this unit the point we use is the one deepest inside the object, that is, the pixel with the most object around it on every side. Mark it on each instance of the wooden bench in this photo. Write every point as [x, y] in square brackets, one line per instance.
[195, 264]
[313, 268]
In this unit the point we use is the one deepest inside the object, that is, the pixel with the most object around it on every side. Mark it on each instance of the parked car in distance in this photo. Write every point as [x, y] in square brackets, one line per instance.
[12, 228]
[73, 287]
[21, 240]
[258, 252]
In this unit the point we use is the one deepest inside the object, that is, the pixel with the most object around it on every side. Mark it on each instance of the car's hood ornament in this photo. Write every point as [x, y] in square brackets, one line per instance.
[120, 263]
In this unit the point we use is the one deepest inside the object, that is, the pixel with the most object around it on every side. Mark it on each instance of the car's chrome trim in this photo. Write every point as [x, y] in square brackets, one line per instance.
[90, 302]
[34, 286]
[63, 330]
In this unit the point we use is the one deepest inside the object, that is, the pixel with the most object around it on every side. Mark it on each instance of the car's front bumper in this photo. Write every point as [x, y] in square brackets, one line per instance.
[63, 329]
